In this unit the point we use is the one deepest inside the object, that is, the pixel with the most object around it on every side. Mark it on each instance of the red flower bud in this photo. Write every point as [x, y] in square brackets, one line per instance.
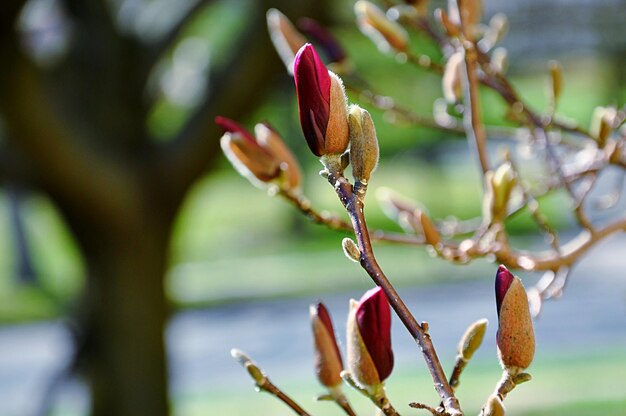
[370, 357]
[261, 158]
[515, 337]
[504, 278]
[321, 103]
[328, 363]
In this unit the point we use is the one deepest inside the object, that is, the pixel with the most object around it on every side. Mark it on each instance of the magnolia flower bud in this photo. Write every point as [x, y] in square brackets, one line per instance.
[431, 233]
[363, 143]
[375, 24]
[502, 183]
[602, 122]
[493, 407]
[556, 77]
[262, 159]
[328, 363]
[472, 339]
[255, 372]
[321, 103]
[515, 337]
[269, 139]
[370, 357]
[323, 38]
[452, 75]
[286, 39]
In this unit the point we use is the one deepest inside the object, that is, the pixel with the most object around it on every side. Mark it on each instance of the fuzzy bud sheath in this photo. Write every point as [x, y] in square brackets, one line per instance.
[328, 363]
[515, 337]
[369, 353]
[364, 149]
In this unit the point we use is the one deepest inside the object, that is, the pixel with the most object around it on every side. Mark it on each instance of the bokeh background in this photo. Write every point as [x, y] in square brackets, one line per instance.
[239, 268]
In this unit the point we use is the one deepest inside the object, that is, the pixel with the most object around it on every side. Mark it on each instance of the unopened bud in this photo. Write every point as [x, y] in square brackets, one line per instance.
[363, 143]
[328, 363]
[515, 337]
[493, 407]
[375, 24]
[431, 233]
[602, 124]
[503, 182]
[471, 340]
[369, 353]
[451, 83]
[321, 104]
[556, 77]
[351, 250]
[286, 39]
[254, 371]
[269, 139]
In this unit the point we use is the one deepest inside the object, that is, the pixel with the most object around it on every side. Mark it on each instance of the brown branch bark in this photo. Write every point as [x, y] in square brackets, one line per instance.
[353, 203]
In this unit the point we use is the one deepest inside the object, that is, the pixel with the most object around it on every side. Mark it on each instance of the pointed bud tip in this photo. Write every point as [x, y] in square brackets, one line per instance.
[504, 278]
[231, 126]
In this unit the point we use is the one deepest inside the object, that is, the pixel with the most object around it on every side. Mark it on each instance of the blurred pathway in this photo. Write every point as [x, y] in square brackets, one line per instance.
[200, 340]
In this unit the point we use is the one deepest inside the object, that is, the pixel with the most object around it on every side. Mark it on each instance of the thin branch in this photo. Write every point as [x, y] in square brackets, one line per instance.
[352, 200]
[333, 222]
[472, 117]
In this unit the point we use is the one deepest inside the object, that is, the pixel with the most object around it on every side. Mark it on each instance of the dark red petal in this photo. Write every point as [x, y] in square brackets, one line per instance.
[374, 321]
[313, 91]
[504, 278]
[324, 316]
[232, 126]
[325, 40]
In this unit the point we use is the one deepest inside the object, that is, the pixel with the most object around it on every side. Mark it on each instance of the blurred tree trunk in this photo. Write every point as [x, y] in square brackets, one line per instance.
[77, 131]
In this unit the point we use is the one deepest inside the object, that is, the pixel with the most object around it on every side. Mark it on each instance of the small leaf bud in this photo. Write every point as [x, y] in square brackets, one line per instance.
[351, 250]
[556, 78]
[471, 340]
[502, 183]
